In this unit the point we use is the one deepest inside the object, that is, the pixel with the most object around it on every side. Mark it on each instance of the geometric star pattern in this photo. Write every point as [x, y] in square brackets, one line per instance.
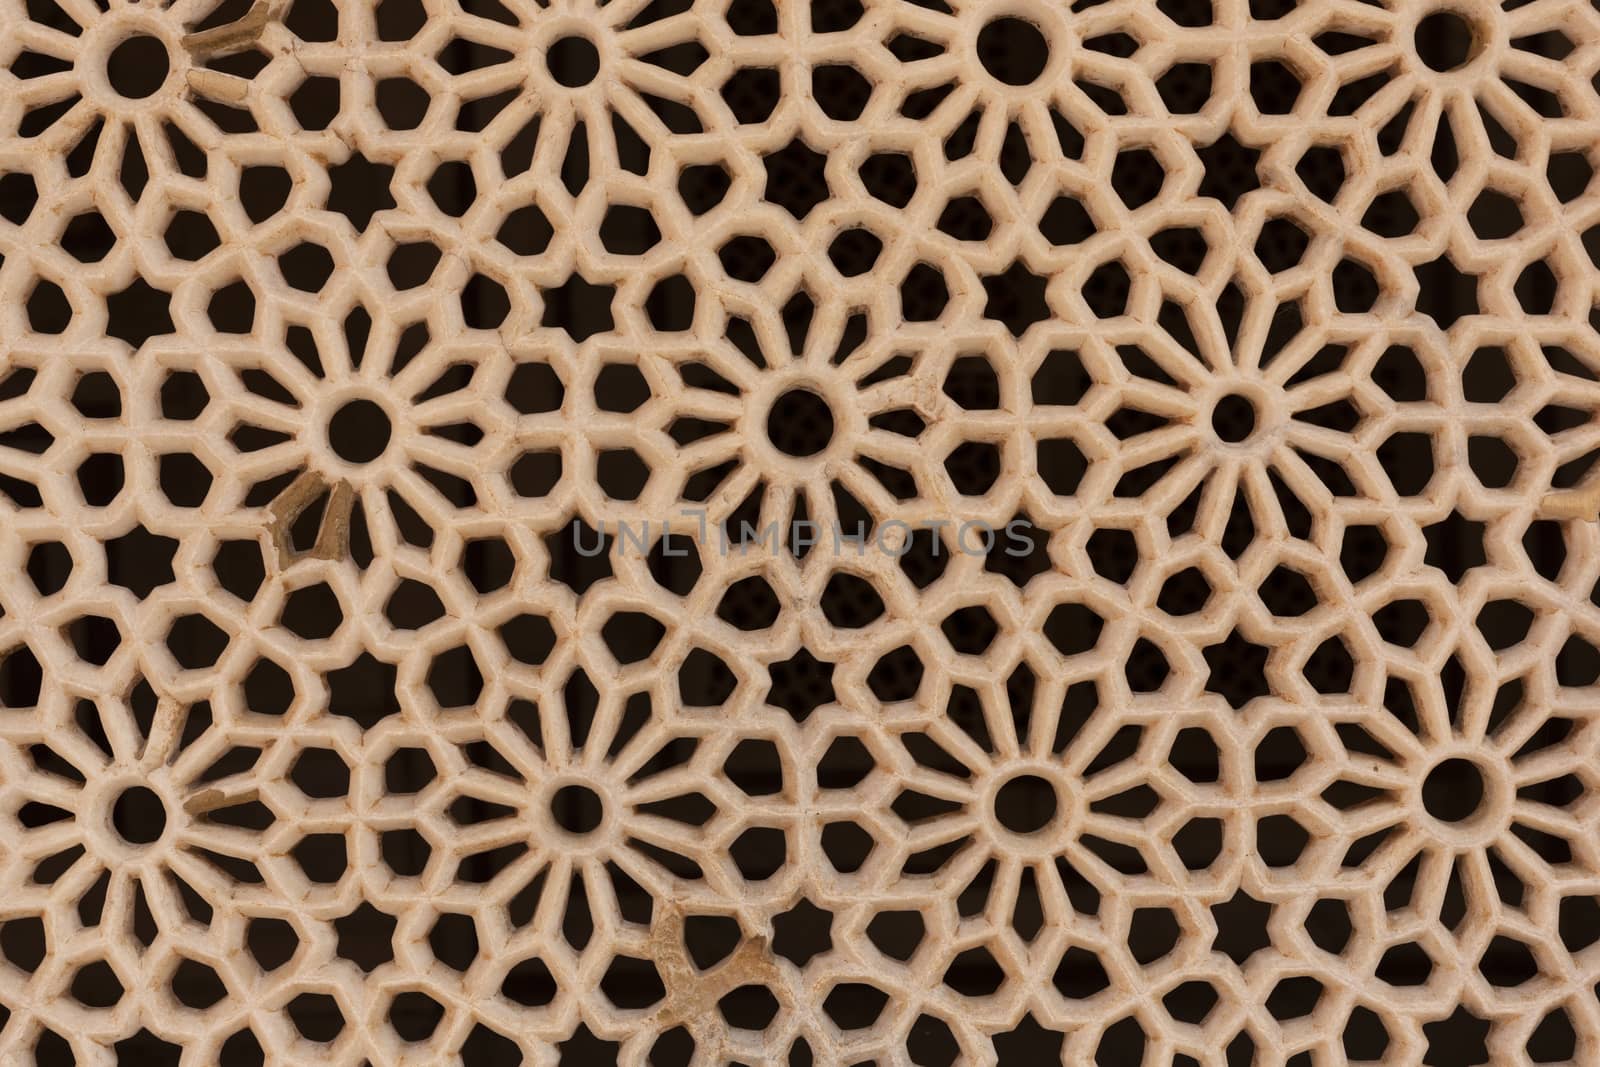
[911, 531]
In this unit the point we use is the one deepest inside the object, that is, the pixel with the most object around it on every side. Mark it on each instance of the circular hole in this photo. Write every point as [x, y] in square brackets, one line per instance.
[573, 61]
[138, 66]
[1025, 804]
[1453, 790]
[1012, 50]
[359, 431]
[139, 816]
[1444, 40]
[1234, 418]
[577, 809]
[800, 423]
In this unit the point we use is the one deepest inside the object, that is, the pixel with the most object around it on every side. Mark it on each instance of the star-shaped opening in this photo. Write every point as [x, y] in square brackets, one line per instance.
[1241, 926]
[1238, 670]
[1016, 298]
[800, 684]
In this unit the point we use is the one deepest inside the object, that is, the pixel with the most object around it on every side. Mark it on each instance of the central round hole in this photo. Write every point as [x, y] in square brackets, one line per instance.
[139, 816]
[359, 431]
[577, 809]
[138, 66]
[1025, 804]
[573, 61]
[1445, 40]
[1012, 50]
[800, 423]
[1234, 418]
[1453, 790]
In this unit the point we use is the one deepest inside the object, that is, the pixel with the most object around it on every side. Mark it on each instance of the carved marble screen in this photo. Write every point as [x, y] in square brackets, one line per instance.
[778, 532]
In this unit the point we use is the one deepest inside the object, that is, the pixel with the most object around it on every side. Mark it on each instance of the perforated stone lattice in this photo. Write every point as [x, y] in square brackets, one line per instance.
[335, 337]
